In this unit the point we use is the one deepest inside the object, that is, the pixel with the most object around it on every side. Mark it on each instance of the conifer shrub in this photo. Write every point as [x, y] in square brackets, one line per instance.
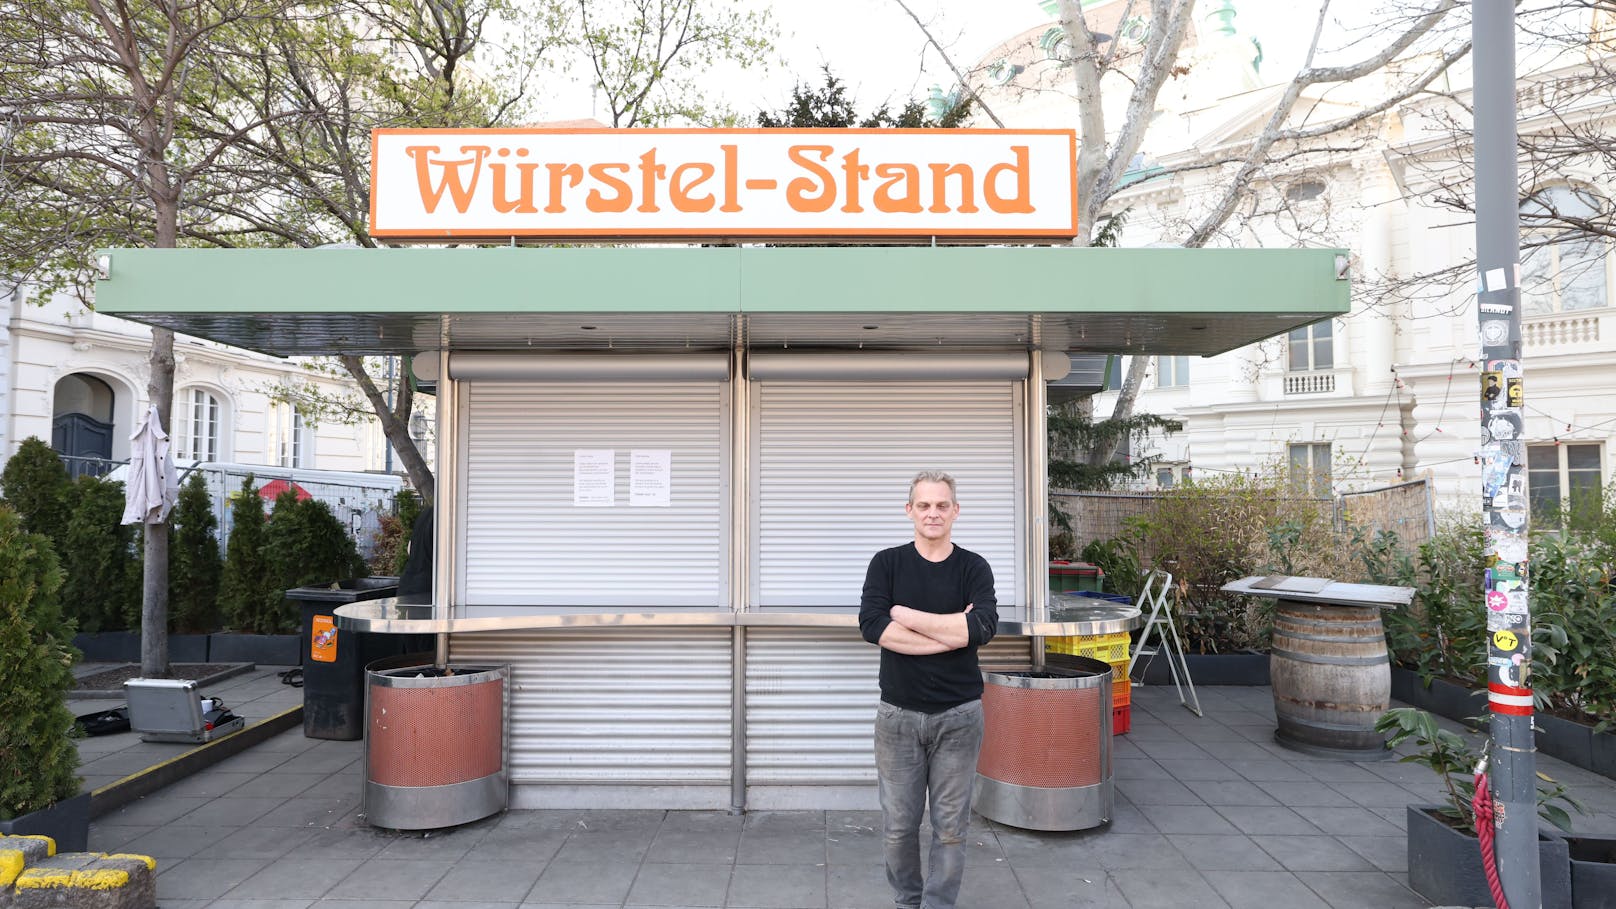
[194, 565]
[37, 756]
[35, 484]
[244, 583]
[99, 556]
[305, 545]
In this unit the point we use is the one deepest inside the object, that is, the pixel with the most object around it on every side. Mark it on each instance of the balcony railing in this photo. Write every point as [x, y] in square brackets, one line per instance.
[1309, 383]
[1560, 330]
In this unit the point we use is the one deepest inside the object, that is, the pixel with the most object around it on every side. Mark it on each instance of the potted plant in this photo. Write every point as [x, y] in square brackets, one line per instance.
[39, 791]
[1444, 854]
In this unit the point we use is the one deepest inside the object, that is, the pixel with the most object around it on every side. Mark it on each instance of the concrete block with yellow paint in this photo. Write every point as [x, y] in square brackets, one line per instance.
[86, 880]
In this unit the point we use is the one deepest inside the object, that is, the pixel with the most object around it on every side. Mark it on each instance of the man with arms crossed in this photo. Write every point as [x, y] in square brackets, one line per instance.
[929, 605]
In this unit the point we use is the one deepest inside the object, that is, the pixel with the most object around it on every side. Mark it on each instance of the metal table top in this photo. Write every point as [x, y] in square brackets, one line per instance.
[389, 616]
[1322, 591]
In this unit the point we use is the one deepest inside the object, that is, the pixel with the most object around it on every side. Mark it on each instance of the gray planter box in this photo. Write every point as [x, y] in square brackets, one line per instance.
[1593, 871]
[263, 649]
[67, 822]
[1444, 865]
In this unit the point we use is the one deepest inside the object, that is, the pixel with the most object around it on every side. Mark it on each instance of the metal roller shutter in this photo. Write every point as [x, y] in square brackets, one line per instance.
[614, 706]
[526, 544]
[832, 470]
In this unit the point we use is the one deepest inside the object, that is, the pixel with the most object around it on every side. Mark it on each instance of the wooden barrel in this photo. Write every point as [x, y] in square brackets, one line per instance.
[1331, 679]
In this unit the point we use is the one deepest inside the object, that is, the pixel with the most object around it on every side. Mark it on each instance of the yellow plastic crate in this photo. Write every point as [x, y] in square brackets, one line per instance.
[1108, 648]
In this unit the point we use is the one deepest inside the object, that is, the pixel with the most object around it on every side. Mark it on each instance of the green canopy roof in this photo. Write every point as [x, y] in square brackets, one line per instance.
[396, 301]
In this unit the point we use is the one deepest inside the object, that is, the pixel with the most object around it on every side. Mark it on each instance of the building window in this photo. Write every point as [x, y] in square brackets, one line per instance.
[294, 443]
[199, 426]
[1562, 267]
[1171, 475]
[1311, 347]
[1565, 482]
[1172, 372]
[1310, 468]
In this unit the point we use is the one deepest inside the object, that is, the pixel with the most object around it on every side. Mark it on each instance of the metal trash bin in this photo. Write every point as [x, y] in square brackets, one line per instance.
[436, 744]
[334, 664]
[1046, 746]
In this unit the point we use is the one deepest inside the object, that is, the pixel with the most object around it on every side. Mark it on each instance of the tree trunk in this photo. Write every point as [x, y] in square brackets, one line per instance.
[1124, 407]
[154, 588]
[396, 428]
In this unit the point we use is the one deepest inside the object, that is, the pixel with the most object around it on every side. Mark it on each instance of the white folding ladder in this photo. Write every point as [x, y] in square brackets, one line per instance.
[1153, 595]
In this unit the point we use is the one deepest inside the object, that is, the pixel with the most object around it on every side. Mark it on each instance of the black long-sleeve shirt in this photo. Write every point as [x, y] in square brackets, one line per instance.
[935, 682]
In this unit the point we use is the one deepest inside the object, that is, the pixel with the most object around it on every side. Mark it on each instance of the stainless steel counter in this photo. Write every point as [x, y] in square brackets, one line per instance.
[388, 616]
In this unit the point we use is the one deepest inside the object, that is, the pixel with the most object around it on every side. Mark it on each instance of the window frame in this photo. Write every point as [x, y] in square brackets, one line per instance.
[1317, 482]
[193, 419]
[1314, 341]
[1543, 236]
[1172, 371]
[1562, 471]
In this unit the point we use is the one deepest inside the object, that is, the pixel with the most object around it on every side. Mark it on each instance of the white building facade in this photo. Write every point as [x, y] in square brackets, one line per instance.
[77, 379]
[1390, 391]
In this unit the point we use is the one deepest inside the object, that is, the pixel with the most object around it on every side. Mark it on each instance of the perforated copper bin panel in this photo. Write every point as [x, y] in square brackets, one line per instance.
[435, 736]
[1044, 738]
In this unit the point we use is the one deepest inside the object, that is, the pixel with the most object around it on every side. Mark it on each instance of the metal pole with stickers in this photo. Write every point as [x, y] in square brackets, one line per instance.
[1503, 455]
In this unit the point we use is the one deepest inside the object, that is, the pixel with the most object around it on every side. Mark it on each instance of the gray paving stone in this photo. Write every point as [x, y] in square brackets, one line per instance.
[154, 810]
[450, 845]
[233, 812]
[301, 812]
[1274, 770]
[1071, 888]
[1297, 794]
[1338, 771]
[277, 785]
[679, 885]
[785, 847]
[1169, 888]
[1388, 853]
[302, 879]
[383, 879]
[1237, 751]
[361, 844]
[1127, 818]
[694, 847]
[621, 846]
[1349, 821]
[1138, 768]
[1312, 853]
[983, 885]
[115, 837]
[1259, 819]
[487, 881]
[208, 784]
[1223, 853]
[1264, 890]
[1186, 819]
[1157, 792]
[231, 903]
[175, 841]
[854, 886]
[526, 844]
[1196, 769]
[777, 887]
[1232, 792]
[476, 904]
[203, 878]
[1361, 890]
[583, 882]
[1379, 794]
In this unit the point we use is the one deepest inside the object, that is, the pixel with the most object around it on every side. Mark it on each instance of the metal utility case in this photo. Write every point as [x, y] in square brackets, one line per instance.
[170, 710]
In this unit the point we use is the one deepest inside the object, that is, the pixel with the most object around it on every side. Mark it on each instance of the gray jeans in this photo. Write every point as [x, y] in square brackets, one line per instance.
[921, 756]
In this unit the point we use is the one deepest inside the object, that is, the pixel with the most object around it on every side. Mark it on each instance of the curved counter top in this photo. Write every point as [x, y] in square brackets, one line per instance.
[388, 616]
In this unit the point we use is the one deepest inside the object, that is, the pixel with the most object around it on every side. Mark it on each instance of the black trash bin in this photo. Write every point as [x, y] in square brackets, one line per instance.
[333, 664]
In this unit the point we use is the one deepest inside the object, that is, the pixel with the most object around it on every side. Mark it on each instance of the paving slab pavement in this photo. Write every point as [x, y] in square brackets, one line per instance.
[1210, 814]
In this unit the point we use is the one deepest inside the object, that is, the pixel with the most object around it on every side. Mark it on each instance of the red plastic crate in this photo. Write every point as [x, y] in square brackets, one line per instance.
[1121, 719]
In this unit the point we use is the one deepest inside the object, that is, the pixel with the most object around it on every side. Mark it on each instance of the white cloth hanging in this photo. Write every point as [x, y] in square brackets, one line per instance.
[152, 486]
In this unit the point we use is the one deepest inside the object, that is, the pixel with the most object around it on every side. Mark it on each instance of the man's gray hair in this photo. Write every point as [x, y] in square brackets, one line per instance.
[933, 476]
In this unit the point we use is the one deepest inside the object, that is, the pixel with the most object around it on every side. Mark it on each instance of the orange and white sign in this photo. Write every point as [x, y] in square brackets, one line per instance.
[449, 185]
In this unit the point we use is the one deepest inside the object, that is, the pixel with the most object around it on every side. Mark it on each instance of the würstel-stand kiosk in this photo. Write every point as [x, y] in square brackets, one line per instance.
[662, 469]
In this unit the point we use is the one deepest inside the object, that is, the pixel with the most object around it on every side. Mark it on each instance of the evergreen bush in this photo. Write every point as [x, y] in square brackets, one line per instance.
[100, 558]
[244, 583]
[305, 545]
[37, 756]
[194, 565]
[36, 485]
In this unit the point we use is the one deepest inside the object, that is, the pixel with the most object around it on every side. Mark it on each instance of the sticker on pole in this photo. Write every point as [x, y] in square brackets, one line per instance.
[323, 640]
[1506, 641]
